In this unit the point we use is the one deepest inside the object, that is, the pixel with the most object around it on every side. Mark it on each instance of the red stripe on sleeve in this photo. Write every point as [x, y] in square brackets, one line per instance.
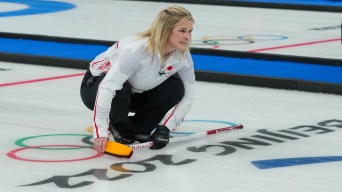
[170, 115]
[94, 119]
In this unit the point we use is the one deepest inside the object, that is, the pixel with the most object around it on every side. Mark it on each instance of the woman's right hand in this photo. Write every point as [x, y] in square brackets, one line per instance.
[100, 144]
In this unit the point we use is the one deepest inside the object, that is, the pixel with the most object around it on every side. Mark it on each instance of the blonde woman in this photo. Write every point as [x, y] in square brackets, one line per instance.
[146, 75]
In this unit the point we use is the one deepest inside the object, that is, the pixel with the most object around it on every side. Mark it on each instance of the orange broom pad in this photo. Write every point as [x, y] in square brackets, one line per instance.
[118, 149]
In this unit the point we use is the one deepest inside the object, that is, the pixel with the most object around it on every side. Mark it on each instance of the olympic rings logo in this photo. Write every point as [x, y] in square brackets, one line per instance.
[217, 41]
[14, 154]
[86, 141]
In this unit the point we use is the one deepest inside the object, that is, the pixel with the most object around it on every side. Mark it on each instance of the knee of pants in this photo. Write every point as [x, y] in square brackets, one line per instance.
[175, 89]
[87, 98]
[88, 91]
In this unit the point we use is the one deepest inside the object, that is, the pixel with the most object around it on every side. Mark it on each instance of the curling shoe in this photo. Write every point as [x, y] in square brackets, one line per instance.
[120, 138]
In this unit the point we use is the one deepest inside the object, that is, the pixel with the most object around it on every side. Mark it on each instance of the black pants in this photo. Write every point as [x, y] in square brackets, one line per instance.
[149, 107]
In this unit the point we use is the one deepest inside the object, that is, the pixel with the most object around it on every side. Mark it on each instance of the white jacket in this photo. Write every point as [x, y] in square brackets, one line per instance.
[129, 60]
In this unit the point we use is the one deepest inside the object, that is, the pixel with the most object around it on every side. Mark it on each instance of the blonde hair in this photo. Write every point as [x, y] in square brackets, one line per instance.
[163, 25]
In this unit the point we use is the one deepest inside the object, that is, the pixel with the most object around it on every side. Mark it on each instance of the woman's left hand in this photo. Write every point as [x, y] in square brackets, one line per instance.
[100, 144]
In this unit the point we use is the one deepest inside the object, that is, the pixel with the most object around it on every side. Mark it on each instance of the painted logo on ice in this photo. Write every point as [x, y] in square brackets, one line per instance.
[35, 7]
[286, 162]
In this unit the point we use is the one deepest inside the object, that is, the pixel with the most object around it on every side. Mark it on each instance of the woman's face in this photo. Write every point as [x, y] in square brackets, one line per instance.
[180, 37]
